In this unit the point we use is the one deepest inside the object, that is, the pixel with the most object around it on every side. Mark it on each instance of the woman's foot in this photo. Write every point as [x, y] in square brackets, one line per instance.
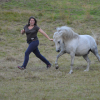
[21, 67]
[48, 66]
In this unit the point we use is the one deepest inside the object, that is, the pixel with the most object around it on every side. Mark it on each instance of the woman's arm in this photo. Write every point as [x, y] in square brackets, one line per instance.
[41, 31]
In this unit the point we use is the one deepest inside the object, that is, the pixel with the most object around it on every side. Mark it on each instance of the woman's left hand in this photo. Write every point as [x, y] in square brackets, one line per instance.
[51, 39]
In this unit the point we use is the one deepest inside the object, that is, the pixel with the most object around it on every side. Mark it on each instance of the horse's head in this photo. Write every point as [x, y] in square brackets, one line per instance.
[58, 41]
[63, 35]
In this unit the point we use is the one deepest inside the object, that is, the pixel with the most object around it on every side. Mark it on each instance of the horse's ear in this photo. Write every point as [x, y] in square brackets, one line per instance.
[58, 29]
[60, 33]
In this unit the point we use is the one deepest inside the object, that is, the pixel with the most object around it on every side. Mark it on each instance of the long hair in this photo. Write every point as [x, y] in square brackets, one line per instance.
[30, 19]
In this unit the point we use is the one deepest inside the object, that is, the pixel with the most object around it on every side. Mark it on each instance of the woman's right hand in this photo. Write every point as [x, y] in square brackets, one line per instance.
[22, 31]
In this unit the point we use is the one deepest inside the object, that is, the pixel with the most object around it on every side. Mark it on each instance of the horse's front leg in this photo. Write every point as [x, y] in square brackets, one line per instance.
[56, 62]
[72, 62]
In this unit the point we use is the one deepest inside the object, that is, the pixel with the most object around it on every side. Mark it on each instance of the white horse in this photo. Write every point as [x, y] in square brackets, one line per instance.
[67, 41]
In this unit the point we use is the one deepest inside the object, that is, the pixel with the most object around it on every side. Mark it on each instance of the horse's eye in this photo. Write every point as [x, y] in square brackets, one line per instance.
[59, 42]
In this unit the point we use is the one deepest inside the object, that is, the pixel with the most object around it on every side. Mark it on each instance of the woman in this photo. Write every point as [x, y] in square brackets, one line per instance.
[31, 30]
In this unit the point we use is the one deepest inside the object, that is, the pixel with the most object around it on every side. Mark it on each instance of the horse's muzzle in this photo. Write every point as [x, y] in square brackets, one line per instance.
[57, 50]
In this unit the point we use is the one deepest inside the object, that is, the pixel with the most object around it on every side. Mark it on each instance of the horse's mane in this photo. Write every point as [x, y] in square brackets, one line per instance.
[66, 32]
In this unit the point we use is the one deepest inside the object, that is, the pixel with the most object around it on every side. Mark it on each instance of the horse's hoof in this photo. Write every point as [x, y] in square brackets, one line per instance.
[57, 67]
[86, 70]
[71, 72]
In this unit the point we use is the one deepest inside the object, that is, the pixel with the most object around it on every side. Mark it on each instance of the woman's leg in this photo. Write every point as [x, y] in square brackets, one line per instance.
[37, 53]
[32, 46]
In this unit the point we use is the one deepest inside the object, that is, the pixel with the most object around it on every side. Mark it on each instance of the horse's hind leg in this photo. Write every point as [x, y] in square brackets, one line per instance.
[95, 52]
[72, 62]
[88, 62]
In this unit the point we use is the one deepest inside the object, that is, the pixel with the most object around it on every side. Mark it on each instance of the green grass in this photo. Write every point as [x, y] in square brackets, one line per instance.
[36, 82]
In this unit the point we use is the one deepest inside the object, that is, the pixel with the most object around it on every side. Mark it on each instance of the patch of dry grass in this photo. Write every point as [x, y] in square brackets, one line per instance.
[37, 82]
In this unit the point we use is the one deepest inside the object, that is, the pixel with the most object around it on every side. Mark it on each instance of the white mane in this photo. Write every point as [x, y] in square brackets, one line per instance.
[65, 32]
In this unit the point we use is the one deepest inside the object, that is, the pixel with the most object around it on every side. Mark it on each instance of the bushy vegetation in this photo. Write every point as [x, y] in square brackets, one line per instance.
[36, 82]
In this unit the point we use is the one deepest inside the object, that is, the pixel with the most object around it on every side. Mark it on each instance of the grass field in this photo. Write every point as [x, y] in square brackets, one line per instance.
[37, 82]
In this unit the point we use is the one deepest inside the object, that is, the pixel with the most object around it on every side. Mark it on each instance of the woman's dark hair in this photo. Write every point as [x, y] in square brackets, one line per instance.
[30, 19]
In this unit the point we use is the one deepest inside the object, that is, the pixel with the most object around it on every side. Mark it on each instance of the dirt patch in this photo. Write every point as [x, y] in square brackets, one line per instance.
[11, 59]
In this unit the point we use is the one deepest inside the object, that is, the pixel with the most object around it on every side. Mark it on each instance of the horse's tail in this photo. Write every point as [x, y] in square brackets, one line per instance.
[96, 37]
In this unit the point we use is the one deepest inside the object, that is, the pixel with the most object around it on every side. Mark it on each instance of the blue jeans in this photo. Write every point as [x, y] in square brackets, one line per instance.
[33, 47]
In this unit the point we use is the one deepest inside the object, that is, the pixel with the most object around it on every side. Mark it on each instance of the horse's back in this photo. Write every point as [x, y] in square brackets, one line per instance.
[87, 39]
[85, 44]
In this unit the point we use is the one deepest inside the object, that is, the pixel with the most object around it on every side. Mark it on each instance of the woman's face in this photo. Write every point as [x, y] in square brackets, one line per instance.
[32, 22]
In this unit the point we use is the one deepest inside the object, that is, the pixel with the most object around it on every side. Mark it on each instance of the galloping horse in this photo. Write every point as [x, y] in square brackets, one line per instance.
[67, 41]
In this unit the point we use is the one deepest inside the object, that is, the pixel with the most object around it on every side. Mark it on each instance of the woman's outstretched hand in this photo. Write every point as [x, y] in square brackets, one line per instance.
[51, 39]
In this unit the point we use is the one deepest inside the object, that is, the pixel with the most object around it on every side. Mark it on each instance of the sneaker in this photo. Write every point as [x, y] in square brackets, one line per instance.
[48, 66]
[21, 67]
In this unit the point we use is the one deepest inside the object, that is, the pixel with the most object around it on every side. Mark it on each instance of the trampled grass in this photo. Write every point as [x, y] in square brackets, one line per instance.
[37, 82]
